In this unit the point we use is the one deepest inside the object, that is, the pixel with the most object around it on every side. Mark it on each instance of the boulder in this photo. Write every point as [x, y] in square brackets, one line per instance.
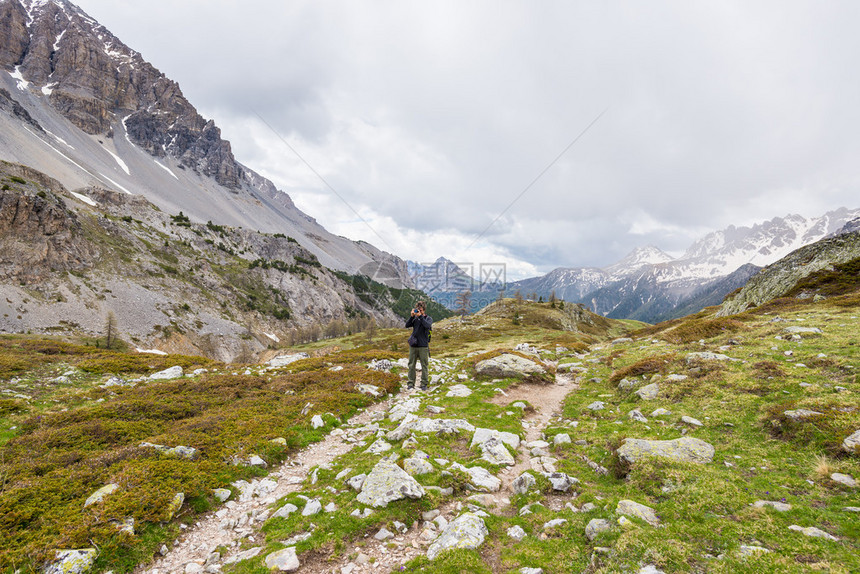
[166, 374]
[285, 511]
[630, 508]
[467, 531]
[691, 421]
[100, 494]
[595, 526]
[852, 443]
[174, 505]
[561, 482]
[283, 560]
[799, 415]
[400, 410]
[844, 479]
[685, 449]
[379, 446]
[780, 506]
[357, 481]
[560, 439]
[495, 452]
[415, 424]
[221, 494]
[523, 483]
[72, 561]
[483, 435]
[371, 390]
[458, 391]
[802, 330]
[480, 478]
[317, 422]
[648, 392]
[751, 550]
[706, 356]
[284, 360]
[417, 466]
[596, 406]
[508, 365]
[312, 507]
[386, 483]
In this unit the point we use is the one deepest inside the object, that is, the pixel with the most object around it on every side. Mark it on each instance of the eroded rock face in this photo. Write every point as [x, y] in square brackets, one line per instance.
[38, 234]
[685, 449]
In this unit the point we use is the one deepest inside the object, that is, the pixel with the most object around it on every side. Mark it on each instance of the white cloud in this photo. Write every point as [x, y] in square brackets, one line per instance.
[430, 118]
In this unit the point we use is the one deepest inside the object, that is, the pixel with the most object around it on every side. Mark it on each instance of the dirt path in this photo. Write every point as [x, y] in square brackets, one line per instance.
[241, 519]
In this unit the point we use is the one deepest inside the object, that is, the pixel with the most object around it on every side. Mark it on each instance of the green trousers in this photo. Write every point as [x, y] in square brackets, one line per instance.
[419, 354]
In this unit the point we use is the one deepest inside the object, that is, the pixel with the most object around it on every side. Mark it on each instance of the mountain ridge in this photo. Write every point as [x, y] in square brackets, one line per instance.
[88, 110]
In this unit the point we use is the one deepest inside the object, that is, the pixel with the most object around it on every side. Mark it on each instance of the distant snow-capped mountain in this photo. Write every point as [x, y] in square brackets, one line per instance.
[650, 285]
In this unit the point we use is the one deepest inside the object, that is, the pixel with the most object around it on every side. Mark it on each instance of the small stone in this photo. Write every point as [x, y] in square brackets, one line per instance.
[100, 494]
[812, 531]
[661, 412]
[317, 422]
[516, 532]
[553, 523]
[560, 439]
[527, 570]
[596, 406]
[193, 568]
[356, 481]
[746, 550]
[691, 421]
[650, 569]
[636, 415]
[383, 534]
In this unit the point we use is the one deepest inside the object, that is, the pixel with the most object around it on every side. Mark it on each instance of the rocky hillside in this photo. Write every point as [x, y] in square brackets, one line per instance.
[69, 260]
[780, 278]
[704, 444]
[78, 104]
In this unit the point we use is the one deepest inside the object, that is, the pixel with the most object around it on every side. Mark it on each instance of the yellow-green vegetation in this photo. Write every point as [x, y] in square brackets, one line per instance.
[66, 436]
[55, 458]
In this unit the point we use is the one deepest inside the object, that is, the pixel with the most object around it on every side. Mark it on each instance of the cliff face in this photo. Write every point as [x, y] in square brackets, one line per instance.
[39, 236]
[96, 81]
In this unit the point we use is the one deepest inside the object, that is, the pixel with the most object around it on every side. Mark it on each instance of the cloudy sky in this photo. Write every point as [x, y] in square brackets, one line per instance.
[430, 120]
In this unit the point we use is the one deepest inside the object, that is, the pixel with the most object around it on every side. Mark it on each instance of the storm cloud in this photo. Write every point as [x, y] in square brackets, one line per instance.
[430, 119]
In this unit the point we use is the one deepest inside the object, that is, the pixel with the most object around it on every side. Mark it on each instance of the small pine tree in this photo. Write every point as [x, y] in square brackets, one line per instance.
[110, 330]
[463, 302]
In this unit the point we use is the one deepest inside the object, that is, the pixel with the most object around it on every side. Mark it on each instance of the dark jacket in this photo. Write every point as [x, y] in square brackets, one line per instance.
[420, 328]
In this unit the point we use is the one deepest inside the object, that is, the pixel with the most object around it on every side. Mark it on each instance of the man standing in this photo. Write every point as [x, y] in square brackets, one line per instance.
[419, 344]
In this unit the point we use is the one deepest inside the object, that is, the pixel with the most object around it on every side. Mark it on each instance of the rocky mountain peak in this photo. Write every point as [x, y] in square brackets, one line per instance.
[103, 87]
[638, 258]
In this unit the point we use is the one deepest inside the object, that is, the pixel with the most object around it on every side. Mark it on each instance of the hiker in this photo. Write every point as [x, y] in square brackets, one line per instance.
[419, 344]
